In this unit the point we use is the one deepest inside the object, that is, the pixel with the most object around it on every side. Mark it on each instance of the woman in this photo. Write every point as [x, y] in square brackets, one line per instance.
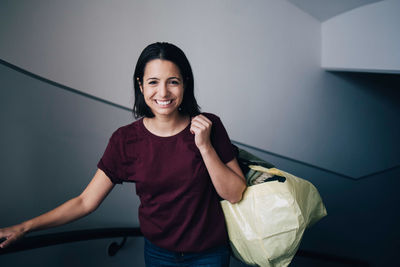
[181, 161]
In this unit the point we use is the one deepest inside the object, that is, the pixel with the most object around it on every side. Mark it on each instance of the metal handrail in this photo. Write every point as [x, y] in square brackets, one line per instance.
[45, 240]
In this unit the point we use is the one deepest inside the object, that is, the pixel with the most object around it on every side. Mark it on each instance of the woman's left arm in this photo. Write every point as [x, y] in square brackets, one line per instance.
[228, 179]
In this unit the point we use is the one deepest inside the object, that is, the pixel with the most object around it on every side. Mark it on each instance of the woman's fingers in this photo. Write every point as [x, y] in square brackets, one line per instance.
[6, 243]
[198, 126]
[8, 236]
[4, 240]
[201, 128]
[201, 123]
[201, 119]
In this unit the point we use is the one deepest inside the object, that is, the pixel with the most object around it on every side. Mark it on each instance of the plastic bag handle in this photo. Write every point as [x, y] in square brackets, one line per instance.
[276, 178]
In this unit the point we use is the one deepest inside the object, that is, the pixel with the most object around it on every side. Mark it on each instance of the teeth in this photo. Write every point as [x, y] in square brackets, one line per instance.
[163, 102]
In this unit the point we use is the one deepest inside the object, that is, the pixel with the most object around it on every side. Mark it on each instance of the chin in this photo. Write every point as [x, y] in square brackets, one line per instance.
[166, 112]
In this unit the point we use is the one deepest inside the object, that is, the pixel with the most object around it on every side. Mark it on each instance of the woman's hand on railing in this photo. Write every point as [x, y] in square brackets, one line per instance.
[10, 235]
[71, 210]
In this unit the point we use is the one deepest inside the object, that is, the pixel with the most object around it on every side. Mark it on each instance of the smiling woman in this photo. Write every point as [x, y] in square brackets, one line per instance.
[181, 161]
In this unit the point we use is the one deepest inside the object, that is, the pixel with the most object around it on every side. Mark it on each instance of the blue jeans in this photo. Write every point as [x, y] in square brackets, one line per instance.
[155, 256]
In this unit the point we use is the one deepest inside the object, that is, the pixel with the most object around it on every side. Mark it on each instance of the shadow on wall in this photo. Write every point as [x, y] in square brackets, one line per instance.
[385, 87]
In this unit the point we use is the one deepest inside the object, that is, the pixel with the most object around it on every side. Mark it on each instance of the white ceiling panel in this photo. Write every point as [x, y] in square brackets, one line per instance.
[326, 9]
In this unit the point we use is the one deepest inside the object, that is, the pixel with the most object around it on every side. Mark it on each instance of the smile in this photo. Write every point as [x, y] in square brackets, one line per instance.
[164, 103]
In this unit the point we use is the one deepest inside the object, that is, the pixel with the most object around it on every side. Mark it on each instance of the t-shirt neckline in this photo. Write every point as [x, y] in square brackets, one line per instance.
[154, 136]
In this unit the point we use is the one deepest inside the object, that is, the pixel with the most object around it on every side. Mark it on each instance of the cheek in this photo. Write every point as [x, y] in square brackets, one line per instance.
[148, 93]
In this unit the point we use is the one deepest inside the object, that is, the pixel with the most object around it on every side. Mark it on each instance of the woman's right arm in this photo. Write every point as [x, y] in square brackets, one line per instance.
[75, 208]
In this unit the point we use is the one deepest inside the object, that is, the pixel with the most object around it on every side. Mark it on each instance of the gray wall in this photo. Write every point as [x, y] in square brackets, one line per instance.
[258, 59]
[238, 50]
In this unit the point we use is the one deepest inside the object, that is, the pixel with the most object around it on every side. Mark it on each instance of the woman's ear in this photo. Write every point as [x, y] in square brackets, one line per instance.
[140, 84]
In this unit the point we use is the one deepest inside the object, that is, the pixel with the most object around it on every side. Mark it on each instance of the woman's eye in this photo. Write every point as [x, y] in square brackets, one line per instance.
[174, 82]
[152, 82]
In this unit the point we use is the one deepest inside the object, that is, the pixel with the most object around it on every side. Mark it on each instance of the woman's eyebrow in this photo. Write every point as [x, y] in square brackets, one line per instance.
[152, 78]
[174, 78]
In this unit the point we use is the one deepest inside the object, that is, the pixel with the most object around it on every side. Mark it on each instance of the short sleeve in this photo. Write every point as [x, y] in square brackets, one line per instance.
[220, 140]
[110, 162]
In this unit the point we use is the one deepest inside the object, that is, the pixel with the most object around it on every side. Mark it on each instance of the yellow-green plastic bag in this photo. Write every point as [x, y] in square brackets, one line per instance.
[265, 228]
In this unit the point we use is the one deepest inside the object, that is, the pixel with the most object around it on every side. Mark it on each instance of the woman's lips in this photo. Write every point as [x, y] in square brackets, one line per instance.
[164, 102]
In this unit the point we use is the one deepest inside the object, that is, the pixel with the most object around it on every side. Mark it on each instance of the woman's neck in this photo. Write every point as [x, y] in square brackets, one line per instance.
[166, 126]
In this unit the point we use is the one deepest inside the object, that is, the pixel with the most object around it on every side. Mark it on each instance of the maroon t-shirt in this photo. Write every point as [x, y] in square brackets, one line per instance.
[180, 209]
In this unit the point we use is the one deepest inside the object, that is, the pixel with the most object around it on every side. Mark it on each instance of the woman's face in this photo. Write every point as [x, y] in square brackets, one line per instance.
[162, 87]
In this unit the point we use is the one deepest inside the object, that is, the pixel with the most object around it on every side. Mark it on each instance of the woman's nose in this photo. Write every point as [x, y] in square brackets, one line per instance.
[163, 90]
